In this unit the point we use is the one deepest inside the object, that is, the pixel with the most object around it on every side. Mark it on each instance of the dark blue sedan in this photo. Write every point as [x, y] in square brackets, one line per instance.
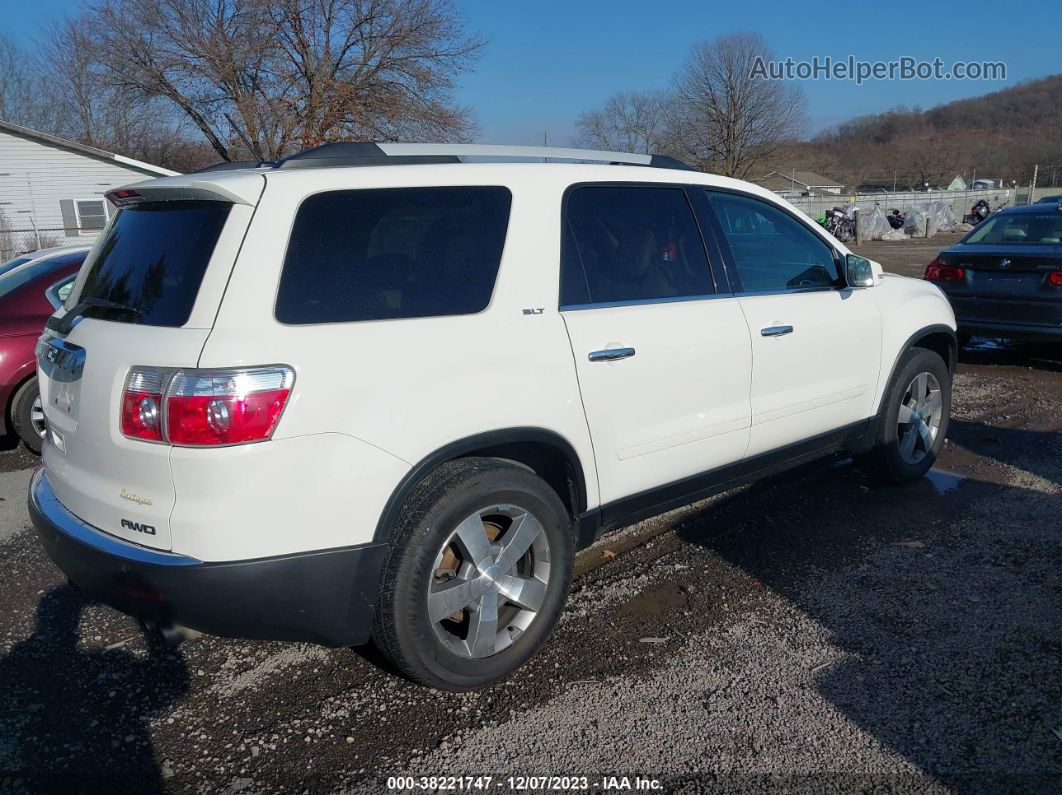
[1004, 278]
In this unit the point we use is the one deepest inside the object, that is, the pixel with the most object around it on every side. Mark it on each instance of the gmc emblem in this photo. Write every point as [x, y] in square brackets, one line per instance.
[147, 529]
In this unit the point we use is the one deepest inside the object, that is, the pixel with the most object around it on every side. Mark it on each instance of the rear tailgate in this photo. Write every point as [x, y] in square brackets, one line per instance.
[167, 262]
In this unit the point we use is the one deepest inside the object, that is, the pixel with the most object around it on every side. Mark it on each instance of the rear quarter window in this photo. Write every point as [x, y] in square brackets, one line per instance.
[378, 254]
[153, 260]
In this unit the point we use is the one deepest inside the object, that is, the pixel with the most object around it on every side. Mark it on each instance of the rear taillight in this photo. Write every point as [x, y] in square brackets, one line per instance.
[936, 271]
[1055, 278]
[142, 404]
[204, 408]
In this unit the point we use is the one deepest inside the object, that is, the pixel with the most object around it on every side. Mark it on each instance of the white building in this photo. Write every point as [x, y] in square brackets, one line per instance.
[52, 190]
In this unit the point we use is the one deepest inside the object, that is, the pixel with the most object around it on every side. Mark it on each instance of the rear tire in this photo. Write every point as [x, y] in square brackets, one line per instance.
[27, 419]
[479, 571]
[913, 422]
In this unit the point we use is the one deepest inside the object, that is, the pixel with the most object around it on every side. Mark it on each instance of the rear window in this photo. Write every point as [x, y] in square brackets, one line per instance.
[153, 260]
[380, 254]
[12, 280]
[10, 265]
[1044, 228]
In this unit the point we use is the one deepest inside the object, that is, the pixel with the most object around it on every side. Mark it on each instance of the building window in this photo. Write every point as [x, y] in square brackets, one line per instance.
[91, 215]
[88, 215]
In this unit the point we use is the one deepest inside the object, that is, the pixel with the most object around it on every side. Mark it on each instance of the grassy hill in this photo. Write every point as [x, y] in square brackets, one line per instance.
[1000, 135]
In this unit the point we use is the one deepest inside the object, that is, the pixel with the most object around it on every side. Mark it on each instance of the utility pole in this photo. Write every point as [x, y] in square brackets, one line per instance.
[1032, 185]
[33, 223]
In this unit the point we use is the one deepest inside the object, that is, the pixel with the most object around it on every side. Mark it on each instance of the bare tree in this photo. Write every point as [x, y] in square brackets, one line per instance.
[924, 159]
[725, 119]
[630, 121]
[92, 109]
[20, 87]
[7, 238]
[293, 73]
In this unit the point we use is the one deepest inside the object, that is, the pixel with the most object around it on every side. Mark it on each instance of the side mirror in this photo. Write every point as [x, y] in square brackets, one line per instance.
[862, 272]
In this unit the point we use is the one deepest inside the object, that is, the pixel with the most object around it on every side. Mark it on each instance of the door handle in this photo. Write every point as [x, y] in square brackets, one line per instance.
[776, 331]
[611, 354]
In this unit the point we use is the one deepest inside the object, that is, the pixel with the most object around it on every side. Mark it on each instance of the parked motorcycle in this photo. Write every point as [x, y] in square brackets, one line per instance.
[840, 225]
[978, 213]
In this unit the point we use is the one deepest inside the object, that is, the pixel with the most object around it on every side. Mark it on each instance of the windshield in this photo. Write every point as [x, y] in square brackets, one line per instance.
[18, 276]
[1043, 228]
[153, 260]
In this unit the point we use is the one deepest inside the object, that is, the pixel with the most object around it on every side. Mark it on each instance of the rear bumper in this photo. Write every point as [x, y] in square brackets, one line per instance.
[1014, 331]
[1012, 317]
[324, 597]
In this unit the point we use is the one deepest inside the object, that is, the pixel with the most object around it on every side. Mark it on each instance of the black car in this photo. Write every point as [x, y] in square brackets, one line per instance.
[1004, 278]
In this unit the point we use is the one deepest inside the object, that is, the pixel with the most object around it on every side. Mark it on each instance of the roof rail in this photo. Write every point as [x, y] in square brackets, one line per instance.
[387, 154]
[229, 165]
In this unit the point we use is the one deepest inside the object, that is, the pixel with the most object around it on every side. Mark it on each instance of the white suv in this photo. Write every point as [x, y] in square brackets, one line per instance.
[386, 391]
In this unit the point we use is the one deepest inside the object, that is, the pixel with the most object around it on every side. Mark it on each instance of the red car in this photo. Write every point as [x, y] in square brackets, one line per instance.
[29, 293]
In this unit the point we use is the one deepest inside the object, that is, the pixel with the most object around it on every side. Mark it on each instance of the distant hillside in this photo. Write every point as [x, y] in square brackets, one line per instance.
[1000, 135]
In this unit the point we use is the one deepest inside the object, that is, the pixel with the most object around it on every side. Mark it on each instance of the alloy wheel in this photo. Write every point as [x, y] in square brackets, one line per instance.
[37, 417]
[918, 421]
[489, 581]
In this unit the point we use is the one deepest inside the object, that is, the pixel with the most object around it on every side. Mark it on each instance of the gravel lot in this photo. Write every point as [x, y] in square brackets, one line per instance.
[805, 633]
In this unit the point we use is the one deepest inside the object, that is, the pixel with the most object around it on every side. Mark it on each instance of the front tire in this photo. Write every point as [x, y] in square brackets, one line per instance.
[916, 409]
[478, 574]
[27, 416]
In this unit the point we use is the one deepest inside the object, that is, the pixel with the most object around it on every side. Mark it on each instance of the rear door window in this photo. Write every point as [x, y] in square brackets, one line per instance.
[378, 254]
[153, 260]
[631, 244]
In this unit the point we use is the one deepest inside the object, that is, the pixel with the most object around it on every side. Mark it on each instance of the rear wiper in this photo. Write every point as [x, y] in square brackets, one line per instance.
[66, 322]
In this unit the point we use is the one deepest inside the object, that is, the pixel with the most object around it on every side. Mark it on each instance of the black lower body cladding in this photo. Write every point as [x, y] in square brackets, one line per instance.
[323, 597]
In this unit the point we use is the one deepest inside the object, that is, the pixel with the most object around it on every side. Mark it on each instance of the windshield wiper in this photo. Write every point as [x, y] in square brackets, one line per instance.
[66, 322]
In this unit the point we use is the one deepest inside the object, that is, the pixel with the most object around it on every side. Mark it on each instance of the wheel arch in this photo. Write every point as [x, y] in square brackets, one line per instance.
[545, 452]
[939, 338]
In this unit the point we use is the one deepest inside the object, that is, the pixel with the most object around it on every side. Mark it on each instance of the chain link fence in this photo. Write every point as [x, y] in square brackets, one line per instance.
[960, 201]
[15, 241]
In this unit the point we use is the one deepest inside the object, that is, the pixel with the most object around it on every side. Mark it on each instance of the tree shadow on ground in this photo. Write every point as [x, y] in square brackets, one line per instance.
[945, 605]
[78, 719]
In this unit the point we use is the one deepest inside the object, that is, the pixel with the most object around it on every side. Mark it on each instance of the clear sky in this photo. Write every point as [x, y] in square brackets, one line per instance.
[546, 60]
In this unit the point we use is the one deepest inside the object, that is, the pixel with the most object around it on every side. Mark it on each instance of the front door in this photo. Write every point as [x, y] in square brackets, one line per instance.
[816, 343]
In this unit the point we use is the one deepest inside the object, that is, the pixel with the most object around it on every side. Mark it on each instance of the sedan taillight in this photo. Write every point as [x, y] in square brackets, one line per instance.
[936, 271]
[205, 408]
[1055, 278]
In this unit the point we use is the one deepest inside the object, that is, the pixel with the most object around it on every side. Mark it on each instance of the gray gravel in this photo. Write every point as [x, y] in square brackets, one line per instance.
[893, 667]
[809, 633]
[13, 488]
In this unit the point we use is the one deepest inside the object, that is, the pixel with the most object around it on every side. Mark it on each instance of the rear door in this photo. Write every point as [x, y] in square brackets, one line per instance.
[816, 344]
[165, 263]
[662, 354]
